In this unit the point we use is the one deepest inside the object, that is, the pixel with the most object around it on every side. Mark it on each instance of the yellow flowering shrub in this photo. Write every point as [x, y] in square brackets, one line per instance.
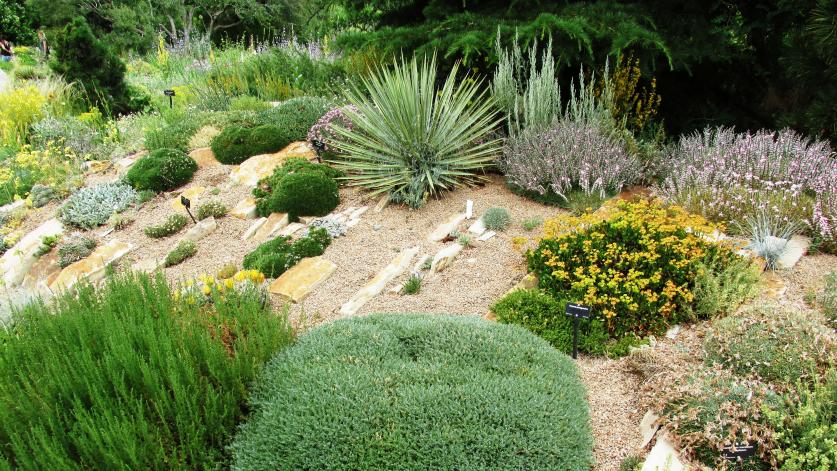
[635, 263]
[19, 108]
[205, 288]
[55, 166]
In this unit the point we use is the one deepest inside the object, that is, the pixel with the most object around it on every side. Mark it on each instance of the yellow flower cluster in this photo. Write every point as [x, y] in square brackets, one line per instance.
[19, 107]
[634, 262]
[54, 166]
[637, 105]
[202, 289]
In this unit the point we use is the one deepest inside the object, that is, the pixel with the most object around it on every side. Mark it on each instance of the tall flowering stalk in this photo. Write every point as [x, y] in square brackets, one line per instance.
[727, 177]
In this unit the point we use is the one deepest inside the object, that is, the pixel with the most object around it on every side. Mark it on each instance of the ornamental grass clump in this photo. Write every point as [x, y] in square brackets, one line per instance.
[129, 377]
[415, 392]
[411, 140]
[635, 264]
[727, 176]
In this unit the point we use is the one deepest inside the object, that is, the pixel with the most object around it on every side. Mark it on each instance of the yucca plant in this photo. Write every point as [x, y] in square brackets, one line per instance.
[411, 140]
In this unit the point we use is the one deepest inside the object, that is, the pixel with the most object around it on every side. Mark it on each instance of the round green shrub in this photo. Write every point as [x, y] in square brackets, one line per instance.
[162, 170]
[267, 138]
[264, 190]
[415, 392]
[304, 194]
[496, 219]
[232, 147]
[276, 256]
[174, 135]
[296, 116]
[545, 316]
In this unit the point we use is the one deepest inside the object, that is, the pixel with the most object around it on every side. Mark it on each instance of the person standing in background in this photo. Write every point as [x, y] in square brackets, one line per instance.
[6, 50]
[42, 43]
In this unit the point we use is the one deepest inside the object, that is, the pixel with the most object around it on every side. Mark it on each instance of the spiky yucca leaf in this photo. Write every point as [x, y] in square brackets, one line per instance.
[412, 140]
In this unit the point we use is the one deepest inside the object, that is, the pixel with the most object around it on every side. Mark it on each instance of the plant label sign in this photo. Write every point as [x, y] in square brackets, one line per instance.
[168, 92]
[739, 450]
[576, 311]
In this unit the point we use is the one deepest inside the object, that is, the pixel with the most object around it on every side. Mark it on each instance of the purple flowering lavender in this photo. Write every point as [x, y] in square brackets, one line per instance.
[569, 155]
[727, 176]
[323, 129]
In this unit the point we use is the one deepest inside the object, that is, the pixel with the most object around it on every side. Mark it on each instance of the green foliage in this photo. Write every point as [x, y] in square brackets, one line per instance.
[161, 170]
[772, 343]
[185, 249]
[17, 21]
[82, 58]
[296, 116]
[295, 165]
[412, 140]
[130, 378]
[531, 224]
[74, 249]
[92, 206]
[721, 290]
[267, 138]
[41, 195]
[280, 254]
[248, 103]
[545, 316]
[232, 145]
[806, 430]
[47, 244]
[144, 196]
[172, 225]
[496, 219]
[578, 202]
[173, 135]
[212, 208]
[413, 374]
[412, 285]
[631, 463]
[827, 299]
[303, 194]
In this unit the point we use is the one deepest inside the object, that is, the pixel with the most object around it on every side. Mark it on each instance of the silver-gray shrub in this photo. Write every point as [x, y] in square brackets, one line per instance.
[67, 132]
[92, 206]
[334, 228]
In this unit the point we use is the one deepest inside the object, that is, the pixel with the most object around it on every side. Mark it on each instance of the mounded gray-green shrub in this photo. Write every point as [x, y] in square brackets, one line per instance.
[416, 392]
[92, 206]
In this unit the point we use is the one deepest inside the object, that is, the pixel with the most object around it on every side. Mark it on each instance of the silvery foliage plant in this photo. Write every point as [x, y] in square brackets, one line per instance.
[92, 206]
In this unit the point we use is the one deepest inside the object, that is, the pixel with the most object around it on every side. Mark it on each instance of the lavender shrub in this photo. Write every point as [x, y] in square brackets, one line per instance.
[728, 177]
[569, 155]
[323, 129]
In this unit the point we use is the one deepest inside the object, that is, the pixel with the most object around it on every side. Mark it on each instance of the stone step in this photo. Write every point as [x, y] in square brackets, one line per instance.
[251, 231]
[16, 262]
[149, 265]
[93, 266]
[477, 228]
[486, 235]
[193, 194]
[296, 283]
[444, 229]
[245, 209]
[395, 268]
[796, 247]
[260, 166]
[274, 223]
[200, 230]
[290, 229]
[445, 257]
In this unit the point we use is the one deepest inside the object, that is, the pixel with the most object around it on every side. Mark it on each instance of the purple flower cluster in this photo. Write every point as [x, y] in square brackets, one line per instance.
[323, 129]
[569, 156]
[727, 176]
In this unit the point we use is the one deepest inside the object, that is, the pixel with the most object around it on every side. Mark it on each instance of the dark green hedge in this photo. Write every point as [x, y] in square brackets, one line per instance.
[417, 392]
[162, 170]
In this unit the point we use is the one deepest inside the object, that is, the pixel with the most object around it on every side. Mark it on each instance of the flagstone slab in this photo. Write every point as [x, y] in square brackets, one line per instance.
[477, 228]
[16, 262]
[296, 283]
[444, 229]
[204, 157]
[796, 247]
[260, 166]
[245, 209]
[200, 230]
[8, 208]
[149, 265]
[395, 268]
[663, 457]
[486, 235]
[445, 257]
[93, 266]
[382, 203]
[251, 231]
[272, 225]
[193, 194]
[290, 229]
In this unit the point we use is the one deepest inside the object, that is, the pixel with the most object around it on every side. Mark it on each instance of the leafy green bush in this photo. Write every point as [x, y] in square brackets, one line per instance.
[806, 430]
[635, 264]
[185, 249]
[174, 135]
[161, 170]
[276, 256]
[92, 206]
[545, 316]
[496, 219]
[129, 378]
[212, 208]
[232, 145]
[772, 343]
[722, 290]
[248, 103]
[296, 116]
[828, 297]
[267, 138]
[411, 140]
[172, 225]
[303, 194]
[74, 249]
[41, 195]
[412, 285]
[437, 392]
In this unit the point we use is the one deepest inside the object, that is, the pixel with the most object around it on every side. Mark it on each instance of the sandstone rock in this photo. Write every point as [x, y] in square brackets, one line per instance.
[8, 208]
[446, 227]
[486, 235]
[796, 247]
[42, 271]
[663, 457]
[17, 261]
[477, 228]
[193, 194]
[96, 166]
[296, 283]
[290, 229]
[445, 257]
[93, 266]
[672, 332]
[272, 225]
[469, 209]
[260, 166]
[124, 164]
[355, 214]
[648, 427]
[245, 209]
[774, 286]
[420, 263]
[395, 268]
[200, 230]
[382, 203]
[530, 281]
[204, 157]
[251, 231]
[149, 265]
